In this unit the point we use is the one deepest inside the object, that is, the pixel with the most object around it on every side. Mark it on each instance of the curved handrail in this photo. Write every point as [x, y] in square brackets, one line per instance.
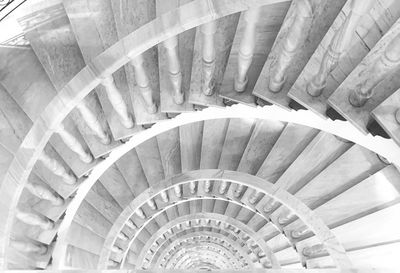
[160, 29]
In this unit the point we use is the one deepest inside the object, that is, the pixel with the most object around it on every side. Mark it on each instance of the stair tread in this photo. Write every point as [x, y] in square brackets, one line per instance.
[94, 33]
[190, 145]
[129, 16]
[80, 258]
[360, 116]
[91, 218]
[185, 52]
[62, 60]
[169, 146]
[214, 133]
[324, 13]
[384, 114]
[268, 24]
[150, 159]
[223, 41]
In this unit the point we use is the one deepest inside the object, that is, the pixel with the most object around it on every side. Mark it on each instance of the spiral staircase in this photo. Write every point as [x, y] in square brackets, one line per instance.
[177, 135]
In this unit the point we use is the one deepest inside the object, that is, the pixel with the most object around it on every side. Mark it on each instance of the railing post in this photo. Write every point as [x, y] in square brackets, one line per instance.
[338, 46]
[246, 49]
[388, 61]
[58, 169]
[290, 45]
[93, 123]
[74, 144]
[174, 68]
[208, 31]
[143, 83]
[118, 103]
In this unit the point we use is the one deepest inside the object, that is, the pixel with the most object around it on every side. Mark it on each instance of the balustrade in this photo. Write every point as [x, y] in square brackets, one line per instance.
[144, 84]
[339, 43]
[117, 102]
[93, 123]
[208, 31]
[174, 69]
[34, 220]
[246, 49]
[74, 144]
[290, 45]
[57, 168]
[44, 193]
[386, 63]
[28, 247]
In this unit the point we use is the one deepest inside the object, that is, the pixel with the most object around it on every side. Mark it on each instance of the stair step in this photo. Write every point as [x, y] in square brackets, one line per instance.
[269, 21]
[214, 134]
[129, 16]
[91, 218]
[367, 34]
[79, 258]
[190, 145]
[185, 57]
[85, 239]
[169, 147]
[360, 116]
[287, 148]
[150, 159]
[95, 31]
[263, 138]
[314, 25]
[385, 114]
[62, 60]
[225, 33]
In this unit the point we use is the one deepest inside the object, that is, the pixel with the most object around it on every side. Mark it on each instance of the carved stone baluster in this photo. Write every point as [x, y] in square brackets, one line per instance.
[238, 190]
[254, 197]
[208, 31]
[270, 206]
[93, 123]
[178, 191]
[28, 247]
[290, 45]
[117, 102]
[74, 144]
[192, 186]
[152, 204]
[385, 64]
[44, 193]
[143, 83]
[164, 196]
[313, 250]
[131, 225]
[34, 220]
[207, 186]
[246, 48]
[58, 169]
[174, 68]
[123, 236]
[284, 219]
[338, 46]
[397, 116]
[222, 187]
[140, 213]
[112, 263]
[296, 234]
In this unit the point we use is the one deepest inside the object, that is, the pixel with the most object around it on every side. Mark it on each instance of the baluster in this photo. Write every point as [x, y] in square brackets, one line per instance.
[57, 168]
[296, 234]
[192, 186]
[238, 190]
[246, 49]
[207, 186]
[338, 46]
[178, 191]
[397, 116]
[254, 197]
[116, 249]
[34, 220]
[44, 193]
[222, 187]
[74, 144]
[143, 83]
[122, 236]
[284, 219]
[112, 263]
[131, 224]
[208, 31]
[140, 213]
[152, 204]
[93, 123]
[313, 250]
[270, 206]
[386, 63]
[28, 247]
[290, 45]
[117, 102]
[174, 68]
[164, 196]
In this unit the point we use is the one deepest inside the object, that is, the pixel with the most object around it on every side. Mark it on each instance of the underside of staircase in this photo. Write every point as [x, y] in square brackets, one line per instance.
[255, 136]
